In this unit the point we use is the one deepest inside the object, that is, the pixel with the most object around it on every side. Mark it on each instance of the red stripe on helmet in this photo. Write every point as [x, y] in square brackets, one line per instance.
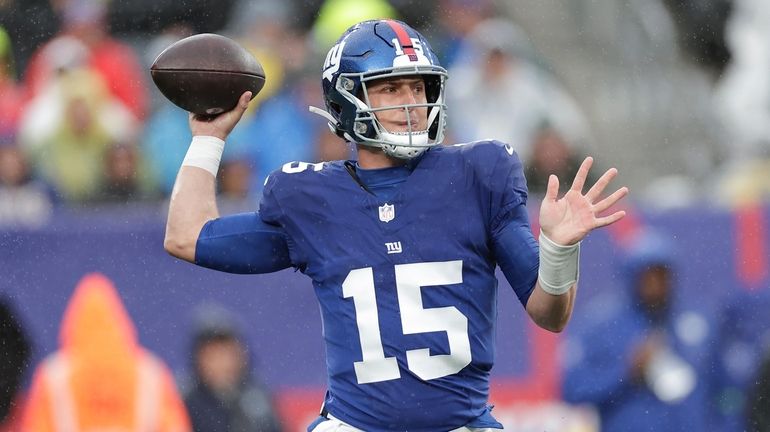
[403, 39]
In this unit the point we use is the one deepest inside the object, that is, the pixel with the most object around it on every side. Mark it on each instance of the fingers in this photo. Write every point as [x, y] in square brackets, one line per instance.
[600, 184]
[611, 219]
[580, 177]
[552, 190]
[610, 200]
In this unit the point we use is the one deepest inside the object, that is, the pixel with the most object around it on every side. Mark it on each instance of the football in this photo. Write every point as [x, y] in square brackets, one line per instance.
[206, 73]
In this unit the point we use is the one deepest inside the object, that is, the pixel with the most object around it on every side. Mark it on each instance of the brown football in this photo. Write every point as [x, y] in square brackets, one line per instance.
[206, 73]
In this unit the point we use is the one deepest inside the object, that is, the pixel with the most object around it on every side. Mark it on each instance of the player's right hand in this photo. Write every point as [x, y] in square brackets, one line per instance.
[219, 125]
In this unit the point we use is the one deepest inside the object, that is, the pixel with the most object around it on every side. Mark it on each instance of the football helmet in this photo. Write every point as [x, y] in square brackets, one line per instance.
[373, 50]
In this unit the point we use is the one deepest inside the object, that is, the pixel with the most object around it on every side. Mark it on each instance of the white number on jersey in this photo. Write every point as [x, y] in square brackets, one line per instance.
[297, 167]
[410, 279]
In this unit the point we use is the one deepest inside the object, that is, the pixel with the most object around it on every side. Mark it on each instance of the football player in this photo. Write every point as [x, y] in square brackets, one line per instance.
[402, 244]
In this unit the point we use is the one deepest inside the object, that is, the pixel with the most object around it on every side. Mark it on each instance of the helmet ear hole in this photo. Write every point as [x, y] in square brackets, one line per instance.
[432, 88]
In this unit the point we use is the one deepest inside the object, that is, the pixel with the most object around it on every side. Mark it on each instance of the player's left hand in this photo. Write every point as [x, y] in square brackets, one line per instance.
[568, 220]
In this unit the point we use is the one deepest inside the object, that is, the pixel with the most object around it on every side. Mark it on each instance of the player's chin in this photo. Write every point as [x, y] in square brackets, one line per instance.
[401, 129]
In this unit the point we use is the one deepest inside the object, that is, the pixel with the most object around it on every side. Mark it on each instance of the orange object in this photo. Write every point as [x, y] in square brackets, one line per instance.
[101, 378]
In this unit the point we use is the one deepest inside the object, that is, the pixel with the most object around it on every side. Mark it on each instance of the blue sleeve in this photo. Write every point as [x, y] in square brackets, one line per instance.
[242, 243]
[517, 252]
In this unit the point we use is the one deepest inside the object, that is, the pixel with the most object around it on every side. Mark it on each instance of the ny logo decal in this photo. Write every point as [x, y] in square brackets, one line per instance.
[393, 247]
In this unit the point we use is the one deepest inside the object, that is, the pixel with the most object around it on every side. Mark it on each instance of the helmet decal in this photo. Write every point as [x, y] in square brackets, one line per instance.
[332, 62]
[403, 43]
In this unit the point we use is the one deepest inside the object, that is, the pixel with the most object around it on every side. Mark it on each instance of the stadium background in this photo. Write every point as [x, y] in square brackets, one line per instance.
[645, 85]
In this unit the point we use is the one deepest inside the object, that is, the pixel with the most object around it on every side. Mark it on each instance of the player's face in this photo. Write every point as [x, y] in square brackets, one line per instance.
[399, 91]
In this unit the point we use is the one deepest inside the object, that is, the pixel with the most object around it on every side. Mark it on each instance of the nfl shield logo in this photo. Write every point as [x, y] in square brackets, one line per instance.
[387, 212]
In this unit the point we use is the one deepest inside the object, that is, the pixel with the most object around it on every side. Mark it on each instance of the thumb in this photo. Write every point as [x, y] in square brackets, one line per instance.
[243, 102]
[236, 113]
[552, 191]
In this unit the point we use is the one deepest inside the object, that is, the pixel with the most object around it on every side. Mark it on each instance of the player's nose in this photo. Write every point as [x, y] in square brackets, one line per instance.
[410, 95]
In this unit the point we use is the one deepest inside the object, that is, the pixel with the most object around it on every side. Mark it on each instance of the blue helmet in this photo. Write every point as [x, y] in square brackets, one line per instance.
[372, 50]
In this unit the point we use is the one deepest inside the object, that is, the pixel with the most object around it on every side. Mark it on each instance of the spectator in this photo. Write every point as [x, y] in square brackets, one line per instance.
[224, 396]
[14, 354]
[638, 363]
[124, 176]
[551, 155]
[24, 201]
[497, 90]
[85, 21]
[68, 129]
[101, 378]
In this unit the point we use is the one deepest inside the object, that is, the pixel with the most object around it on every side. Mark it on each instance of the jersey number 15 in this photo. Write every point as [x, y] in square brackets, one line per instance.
[410, 279]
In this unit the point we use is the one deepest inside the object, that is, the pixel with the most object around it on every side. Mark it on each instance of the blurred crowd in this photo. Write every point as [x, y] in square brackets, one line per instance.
[81, 123]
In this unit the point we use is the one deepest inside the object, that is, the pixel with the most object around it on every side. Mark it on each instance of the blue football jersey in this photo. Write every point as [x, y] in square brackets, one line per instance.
[407, 286]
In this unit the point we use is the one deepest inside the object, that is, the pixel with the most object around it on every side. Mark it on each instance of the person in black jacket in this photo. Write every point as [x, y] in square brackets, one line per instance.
[223, 395]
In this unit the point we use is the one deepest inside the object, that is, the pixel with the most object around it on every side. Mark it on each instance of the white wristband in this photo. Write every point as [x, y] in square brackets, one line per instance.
[559, 266]
[205, 152]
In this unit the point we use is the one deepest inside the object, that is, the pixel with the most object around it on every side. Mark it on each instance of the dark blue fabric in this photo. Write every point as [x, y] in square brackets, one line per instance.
[485, 420]
[383, 182]
[461, 209]
[242, 243]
